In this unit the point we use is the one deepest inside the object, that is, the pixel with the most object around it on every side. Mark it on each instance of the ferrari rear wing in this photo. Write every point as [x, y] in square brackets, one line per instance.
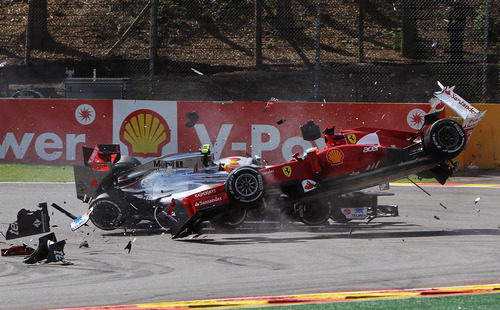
[470, 115]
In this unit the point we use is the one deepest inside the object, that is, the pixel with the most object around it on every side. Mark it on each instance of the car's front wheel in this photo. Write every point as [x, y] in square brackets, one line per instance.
[106, 213]
[245, 185]
[231, 218]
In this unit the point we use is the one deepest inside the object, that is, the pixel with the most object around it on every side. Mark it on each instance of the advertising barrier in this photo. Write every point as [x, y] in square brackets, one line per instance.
[54, 130]
[483, 149]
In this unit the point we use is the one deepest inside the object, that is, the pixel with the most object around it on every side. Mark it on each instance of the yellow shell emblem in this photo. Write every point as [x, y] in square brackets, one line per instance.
[146, 132]
[287, 171]
[335, 156]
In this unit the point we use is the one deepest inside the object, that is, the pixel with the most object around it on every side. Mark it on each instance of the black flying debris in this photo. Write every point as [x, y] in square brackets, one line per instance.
[128, 246]
[193, 119]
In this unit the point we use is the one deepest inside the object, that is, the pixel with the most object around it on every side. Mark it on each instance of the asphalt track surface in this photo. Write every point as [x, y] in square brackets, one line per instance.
[445, 239]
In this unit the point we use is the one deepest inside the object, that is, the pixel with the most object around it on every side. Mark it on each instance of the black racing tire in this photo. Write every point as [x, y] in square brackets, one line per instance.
[107, 213]
[230, 219]
[245, 185]
[444, 140]
[313, 213]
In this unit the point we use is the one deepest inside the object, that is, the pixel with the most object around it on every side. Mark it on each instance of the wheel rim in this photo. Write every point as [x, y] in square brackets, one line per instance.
[246, 185]
[448, 137]
[106, 215]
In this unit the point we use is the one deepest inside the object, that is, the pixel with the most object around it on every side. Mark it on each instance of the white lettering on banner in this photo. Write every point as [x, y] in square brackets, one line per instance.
[258, 145]
[71, 144]
[10, 142]
[220, 141]
[287, 148]
[43, 143]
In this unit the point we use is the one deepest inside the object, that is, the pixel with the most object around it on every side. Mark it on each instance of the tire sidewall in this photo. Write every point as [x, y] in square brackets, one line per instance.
[233, 178]
[434, 146]
[100, 202]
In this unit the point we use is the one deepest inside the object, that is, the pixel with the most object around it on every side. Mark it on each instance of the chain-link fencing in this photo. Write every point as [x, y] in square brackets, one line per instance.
[335, 50]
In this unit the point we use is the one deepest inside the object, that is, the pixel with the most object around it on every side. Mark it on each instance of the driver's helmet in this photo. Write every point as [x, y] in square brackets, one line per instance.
[329, 133]
[309, 150]
[231, 164]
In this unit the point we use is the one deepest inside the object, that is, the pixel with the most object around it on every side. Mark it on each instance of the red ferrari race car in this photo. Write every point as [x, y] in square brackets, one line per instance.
[314, 184]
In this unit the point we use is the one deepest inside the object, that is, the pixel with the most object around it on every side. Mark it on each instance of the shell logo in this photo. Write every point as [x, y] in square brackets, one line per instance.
[335, 156]
[145, 132]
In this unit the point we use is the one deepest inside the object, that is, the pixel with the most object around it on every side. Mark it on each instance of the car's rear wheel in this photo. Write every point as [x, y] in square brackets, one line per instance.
[444, 140]
[106, 213]
[313, 213]
[245, 185]
[231, 218]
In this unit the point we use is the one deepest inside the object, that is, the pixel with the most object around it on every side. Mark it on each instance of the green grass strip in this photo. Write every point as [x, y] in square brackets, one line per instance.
[35, 173]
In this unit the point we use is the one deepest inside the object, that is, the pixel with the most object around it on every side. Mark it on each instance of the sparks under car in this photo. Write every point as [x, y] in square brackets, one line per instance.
[182, 191]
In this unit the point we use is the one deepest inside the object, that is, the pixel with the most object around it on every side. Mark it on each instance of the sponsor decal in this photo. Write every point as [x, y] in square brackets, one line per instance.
[37, 223]
[205, 193]
[82, 220]
[85, 114]
[14, 228]
[415, 118]
[351, 138]
[207, 202]
[355, 213]
[335, 156]
[168, 164]
[145, 132]
[461, 102]
[266, 172]
[59, 255]
[287, 171]
[369, 149]
[308, 185]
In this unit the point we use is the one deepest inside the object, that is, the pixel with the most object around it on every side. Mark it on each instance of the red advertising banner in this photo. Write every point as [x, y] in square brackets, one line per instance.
[52, 130]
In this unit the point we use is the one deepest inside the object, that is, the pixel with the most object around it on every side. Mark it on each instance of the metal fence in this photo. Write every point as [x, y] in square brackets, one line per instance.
[335, 49]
